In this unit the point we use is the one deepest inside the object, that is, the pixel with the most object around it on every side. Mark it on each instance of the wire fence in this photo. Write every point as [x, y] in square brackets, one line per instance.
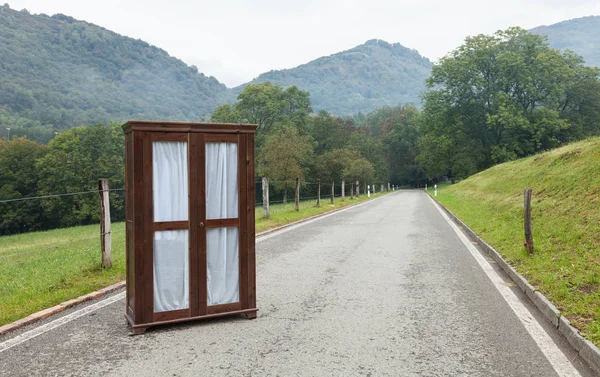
[279, 191]
[281, 198]
[57, 195]
[60, 210]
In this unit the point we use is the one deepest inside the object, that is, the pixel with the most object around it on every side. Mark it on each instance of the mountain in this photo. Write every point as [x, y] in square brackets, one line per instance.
[59, 72]
[363, 78]
[581, 35]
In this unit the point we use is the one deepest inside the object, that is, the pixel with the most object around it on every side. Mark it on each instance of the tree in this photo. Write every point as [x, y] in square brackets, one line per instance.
[286, 156]
[269, 106]
[372, 150]
[296, 106]
[499, 97]
[401, 143]
[18, 179]
[581, 107]
[359, 170]
[260, 104]
[226, 114]
[329, 132]
[74, 162]
[332, 164]
[265, 104]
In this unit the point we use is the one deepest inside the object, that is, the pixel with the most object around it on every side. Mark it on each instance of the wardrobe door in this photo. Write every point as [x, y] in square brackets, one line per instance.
[170, 227]
[222, 242]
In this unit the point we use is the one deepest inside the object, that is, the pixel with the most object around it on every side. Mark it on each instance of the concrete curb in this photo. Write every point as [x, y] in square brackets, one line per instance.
[59, 308]
[101, 292]
[587, 350]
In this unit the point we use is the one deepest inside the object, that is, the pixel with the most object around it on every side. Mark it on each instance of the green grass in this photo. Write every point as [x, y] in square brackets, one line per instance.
[565, 265]
[285, 213]
[41, 269]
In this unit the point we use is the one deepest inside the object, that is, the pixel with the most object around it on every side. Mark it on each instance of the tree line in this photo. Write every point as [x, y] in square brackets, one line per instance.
[494, 99]
[72, 162]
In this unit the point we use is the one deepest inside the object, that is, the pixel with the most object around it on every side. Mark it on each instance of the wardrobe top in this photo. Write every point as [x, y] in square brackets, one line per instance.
[200, 127]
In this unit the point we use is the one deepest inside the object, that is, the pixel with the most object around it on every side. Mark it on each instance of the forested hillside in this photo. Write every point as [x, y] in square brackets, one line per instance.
[361, 79]
[581, 35]
[57, 72]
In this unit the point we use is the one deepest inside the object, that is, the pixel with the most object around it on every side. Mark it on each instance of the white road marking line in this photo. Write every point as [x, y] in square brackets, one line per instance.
[555, 356]
[58, 322]
[88, 309]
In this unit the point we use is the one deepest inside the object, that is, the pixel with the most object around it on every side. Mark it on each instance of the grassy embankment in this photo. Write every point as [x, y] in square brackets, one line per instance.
[565, 265]
[39, 270]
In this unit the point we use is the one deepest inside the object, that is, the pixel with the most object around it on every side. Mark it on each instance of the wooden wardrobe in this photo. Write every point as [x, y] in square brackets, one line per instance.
[189, 221]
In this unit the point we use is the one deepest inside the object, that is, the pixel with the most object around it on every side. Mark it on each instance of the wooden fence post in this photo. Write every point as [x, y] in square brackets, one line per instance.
[318, 192]
[105, 236]
[297, 195]
[352, 191]
[388, 186]
[343, 190]
[357, 189]
[381, 188]
[365, 188]
[265, 192]
[332, 190]
[528, 234]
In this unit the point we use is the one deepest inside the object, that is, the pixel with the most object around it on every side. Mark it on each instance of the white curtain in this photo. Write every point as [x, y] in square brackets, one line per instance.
[221, 180]
[171, 248]
[223, 275]
[170, 180]
[222, 244]
[171, 271]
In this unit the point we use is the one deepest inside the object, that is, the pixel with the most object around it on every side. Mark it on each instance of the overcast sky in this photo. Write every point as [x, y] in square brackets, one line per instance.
[236, 40]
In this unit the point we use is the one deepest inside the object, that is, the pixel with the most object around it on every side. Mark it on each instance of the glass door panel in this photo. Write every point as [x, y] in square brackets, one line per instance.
[170, 180]
[222, 233]
[171, 236]
[222, 257]
[221, 181]
[171, 271]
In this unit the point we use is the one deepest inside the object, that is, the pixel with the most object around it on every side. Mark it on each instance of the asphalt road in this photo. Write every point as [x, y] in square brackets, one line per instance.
[383, 289]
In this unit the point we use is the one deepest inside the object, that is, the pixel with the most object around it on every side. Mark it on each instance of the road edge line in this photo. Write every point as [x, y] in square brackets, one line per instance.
[22, 338]
[586, 349]
[42, 314]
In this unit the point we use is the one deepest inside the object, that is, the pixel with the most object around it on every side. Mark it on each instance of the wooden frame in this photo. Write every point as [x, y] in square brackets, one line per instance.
[140, 224]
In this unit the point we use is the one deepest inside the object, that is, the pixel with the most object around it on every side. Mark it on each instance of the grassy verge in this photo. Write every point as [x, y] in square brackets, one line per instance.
[565, 265]
[282, 214]
[41, 269]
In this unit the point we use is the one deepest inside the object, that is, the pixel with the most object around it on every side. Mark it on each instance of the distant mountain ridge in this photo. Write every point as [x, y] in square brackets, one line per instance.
[61, 72]
[581, 35]
[361, 79]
